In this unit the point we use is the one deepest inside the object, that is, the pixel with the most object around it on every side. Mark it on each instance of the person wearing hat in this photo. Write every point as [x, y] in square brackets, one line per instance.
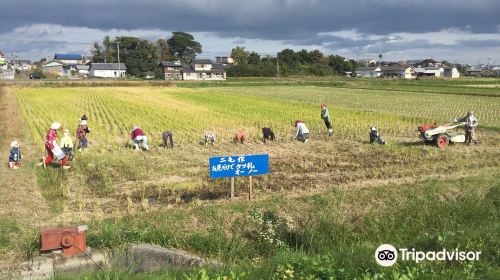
[138, 136]
[375, 137]
[53, 150]
[81, 133]
[302, 133]
[325, 115]
[470, 124]
[15, 155]
[67, 144]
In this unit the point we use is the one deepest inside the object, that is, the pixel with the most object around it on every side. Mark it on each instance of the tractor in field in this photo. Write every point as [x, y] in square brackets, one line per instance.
[441, 135]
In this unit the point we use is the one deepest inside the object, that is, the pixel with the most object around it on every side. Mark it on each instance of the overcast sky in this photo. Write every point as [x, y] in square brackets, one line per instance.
[466, 31]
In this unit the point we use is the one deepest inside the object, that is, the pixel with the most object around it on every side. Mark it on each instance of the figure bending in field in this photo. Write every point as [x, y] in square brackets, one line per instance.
[209, 138]
[138, 137]
[268, 134]
[302, 133]
[167, 137]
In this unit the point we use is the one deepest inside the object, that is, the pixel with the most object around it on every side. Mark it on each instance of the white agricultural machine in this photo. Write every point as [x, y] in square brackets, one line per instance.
[441, 135]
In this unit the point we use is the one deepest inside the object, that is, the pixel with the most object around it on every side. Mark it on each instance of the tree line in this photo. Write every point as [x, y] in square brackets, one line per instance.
[288, 63]
[142, 57]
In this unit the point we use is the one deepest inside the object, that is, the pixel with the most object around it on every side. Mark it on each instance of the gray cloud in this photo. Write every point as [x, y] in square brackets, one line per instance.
[265, 19]
[294, 23]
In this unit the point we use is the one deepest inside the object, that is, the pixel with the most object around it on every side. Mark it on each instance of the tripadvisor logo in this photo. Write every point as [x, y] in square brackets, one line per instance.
[387, 255]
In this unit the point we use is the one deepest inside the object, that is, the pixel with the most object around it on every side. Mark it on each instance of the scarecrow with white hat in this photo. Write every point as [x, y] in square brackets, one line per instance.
[81, 133]
[15, 155]
[53, 150]
[375, 137]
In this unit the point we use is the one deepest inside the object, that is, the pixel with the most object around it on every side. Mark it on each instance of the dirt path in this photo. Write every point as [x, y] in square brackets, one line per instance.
[20, 199]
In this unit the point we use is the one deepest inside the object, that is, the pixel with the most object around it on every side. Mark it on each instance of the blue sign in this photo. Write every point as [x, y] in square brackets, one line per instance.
[234, 166]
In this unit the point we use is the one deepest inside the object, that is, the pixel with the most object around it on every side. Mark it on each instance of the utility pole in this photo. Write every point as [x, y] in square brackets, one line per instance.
[402, 70]
[277, 67]
[119, 72]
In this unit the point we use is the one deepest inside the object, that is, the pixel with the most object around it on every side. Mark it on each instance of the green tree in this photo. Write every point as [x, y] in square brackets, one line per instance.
[110, 50]
[138, 55]
[303, 56]
[182, 46]
[162, 49]
[316, 57]
[97, 53]
[287, 56]
[239, 55]
[253, 58]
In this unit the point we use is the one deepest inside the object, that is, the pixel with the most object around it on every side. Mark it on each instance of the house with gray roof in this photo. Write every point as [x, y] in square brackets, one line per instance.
[398, 70]
[171, 70]
[204, 69]
[108, 70]
[368, 72]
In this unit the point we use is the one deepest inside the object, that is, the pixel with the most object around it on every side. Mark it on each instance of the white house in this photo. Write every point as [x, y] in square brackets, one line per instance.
[451, 72]
[107, 70]
[398, 70]
[429, 71]
[204, 69]
[368, 72]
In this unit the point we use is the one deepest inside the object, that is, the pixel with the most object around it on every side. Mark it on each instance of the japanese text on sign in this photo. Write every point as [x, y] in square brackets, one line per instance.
[233, 166]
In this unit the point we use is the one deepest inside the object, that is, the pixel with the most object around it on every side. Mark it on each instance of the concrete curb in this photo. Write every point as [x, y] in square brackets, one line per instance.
[137, 257]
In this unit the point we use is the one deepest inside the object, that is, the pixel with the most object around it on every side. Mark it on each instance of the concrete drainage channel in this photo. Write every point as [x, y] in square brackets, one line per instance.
[139, 257]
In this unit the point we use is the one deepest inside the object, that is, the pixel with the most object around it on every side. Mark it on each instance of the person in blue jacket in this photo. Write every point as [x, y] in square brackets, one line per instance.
[15, 155]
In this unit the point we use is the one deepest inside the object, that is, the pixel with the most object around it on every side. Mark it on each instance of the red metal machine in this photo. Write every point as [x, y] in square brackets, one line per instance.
[441, 135]
[71, 240]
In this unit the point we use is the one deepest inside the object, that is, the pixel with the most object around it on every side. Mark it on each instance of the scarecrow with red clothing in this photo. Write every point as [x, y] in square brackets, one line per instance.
[53, 150]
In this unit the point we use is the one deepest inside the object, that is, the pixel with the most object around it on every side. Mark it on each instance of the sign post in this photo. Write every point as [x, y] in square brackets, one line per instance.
[239, 166]
[250, 188]
[232, 188]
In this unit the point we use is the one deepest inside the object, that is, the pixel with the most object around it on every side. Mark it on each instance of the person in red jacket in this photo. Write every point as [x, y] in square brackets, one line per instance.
[53, 150]
[138, 136]
[240, 137]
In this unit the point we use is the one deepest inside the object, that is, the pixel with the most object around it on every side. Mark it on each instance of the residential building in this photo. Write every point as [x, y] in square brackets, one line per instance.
[429, 71]
[475, 71]
[107, 70]
[171, 70]
[21, 64]
[451, 72]
[204, 69]
[69, 58]
[7, 74]
[428, 63]
[82, 69]
[397, 70]
[368, 72]
[56, 68]
[224, 60]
